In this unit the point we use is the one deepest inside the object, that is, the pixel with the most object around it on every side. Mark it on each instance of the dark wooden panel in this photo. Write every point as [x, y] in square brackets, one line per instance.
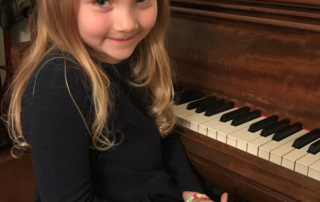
[235, 184]
[277, 178]
[267, 64]
[308, 4]
[303, 3]
[17, 180]
[264, 54]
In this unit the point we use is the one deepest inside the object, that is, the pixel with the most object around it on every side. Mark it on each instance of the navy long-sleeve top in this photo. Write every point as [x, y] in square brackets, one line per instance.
[142, 167]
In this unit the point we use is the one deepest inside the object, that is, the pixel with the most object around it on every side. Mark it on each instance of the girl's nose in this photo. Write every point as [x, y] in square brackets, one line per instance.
[125, 22]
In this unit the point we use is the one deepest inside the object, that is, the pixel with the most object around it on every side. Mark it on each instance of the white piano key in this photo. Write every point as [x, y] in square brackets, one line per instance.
[264, 150]
[175, 108]
[223, 133]
[242, 142]
[289, 160]
[277, 154]
[178, 121]
[302, 164]
[182, 111]
[253, 146]
[186, 112]
[212, 130]
[314, 170]
[182, 107]
[232, 137]
[179, 109]
[194, 124]
[185, 121]
[203, 127]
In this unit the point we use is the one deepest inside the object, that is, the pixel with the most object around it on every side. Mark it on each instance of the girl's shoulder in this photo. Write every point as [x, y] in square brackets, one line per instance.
[57, 73]
[57, 64]
[57, 60]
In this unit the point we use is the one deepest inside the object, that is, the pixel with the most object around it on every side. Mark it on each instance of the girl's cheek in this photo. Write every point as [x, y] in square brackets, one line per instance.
[94, 24]
[148, 19]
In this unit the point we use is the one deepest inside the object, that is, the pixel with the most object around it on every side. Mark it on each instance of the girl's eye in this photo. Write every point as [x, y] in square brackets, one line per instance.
[102, 3]
[141, 1]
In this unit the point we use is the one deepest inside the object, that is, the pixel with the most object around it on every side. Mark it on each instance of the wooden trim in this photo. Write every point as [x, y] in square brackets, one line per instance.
[310, 4]
[240, 186]
[301, 3]
[18, 182]
[263, 172]
[247, 19]
[253, 8]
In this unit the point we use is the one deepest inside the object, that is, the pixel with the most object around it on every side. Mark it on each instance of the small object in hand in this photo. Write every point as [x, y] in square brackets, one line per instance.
[195, 196]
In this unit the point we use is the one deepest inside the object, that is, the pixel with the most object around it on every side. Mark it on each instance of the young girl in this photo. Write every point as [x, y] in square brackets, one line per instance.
[93, 101]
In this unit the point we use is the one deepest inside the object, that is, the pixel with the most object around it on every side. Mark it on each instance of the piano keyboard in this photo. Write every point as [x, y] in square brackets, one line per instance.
[277, 141]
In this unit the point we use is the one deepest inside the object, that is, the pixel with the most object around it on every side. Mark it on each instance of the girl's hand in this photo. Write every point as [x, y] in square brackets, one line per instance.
[224, 198]
[186, 195]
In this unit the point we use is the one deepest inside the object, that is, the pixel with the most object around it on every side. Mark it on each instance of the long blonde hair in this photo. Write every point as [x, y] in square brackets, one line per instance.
[151, 70]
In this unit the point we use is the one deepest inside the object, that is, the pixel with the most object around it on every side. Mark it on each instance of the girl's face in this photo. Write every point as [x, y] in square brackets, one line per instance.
[115, 27]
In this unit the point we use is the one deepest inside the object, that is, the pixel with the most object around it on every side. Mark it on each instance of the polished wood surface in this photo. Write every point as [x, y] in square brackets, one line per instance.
[248, 176]
[264, 54]
[258, 53]
[17, 179]
[260, 56]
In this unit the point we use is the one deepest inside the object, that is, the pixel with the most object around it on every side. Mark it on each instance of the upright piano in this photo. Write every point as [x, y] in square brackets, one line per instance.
[259, 54]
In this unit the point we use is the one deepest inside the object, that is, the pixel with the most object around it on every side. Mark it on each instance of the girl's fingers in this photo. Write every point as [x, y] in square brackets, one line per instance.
[224, 197]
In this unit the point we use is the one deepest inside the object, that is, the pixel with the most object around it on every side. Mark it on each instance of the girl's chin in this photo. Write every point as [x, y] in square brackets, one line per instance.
[119, 57]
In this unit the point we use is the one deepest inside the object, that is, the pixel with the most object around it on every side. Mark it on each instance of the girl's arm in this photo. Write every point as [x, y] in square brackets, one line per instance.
[177, 165]
[56, 133]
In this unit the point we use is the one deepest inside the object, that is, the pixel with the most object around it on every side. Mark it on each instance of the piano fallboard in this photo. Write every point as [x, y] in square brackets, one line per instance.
[261, 54]
[264, 54]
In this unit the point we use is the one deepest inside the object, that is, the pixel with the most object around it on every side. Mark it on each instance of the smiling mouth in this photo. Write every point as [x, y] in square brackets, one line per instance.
[128, 39]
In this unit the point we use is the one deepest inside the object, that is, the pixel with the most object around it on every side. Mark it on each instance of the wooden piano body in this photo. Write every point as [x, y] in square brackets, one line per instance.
[264, 54]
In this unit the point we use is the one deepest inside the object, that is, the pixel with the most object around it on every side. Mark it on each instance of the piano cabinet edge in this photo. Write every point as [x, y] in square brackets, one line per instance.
[260, 171]
[235, 184]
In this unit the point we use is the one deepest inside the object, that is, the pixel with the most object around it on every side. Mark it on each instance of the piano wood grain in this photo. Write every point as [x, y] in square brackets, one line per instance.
[211, 157]
[235, 185]
[17, 179]
[266, 57]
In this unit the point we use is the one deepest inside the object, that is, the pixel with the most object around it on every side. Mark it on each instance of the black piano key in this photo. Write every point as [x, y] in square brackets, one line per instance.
[178, 95]
[195, 96]
[210, 108]
[202, 102]
[314, 148]
[234, 114]
[205, 106]
[185, 92]
[263, 123]
[306, 139]
[287, 131]
[193, 105]
[187, 96]
[216, 105]
[241, 120]
[223, 108]
[274, 127]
